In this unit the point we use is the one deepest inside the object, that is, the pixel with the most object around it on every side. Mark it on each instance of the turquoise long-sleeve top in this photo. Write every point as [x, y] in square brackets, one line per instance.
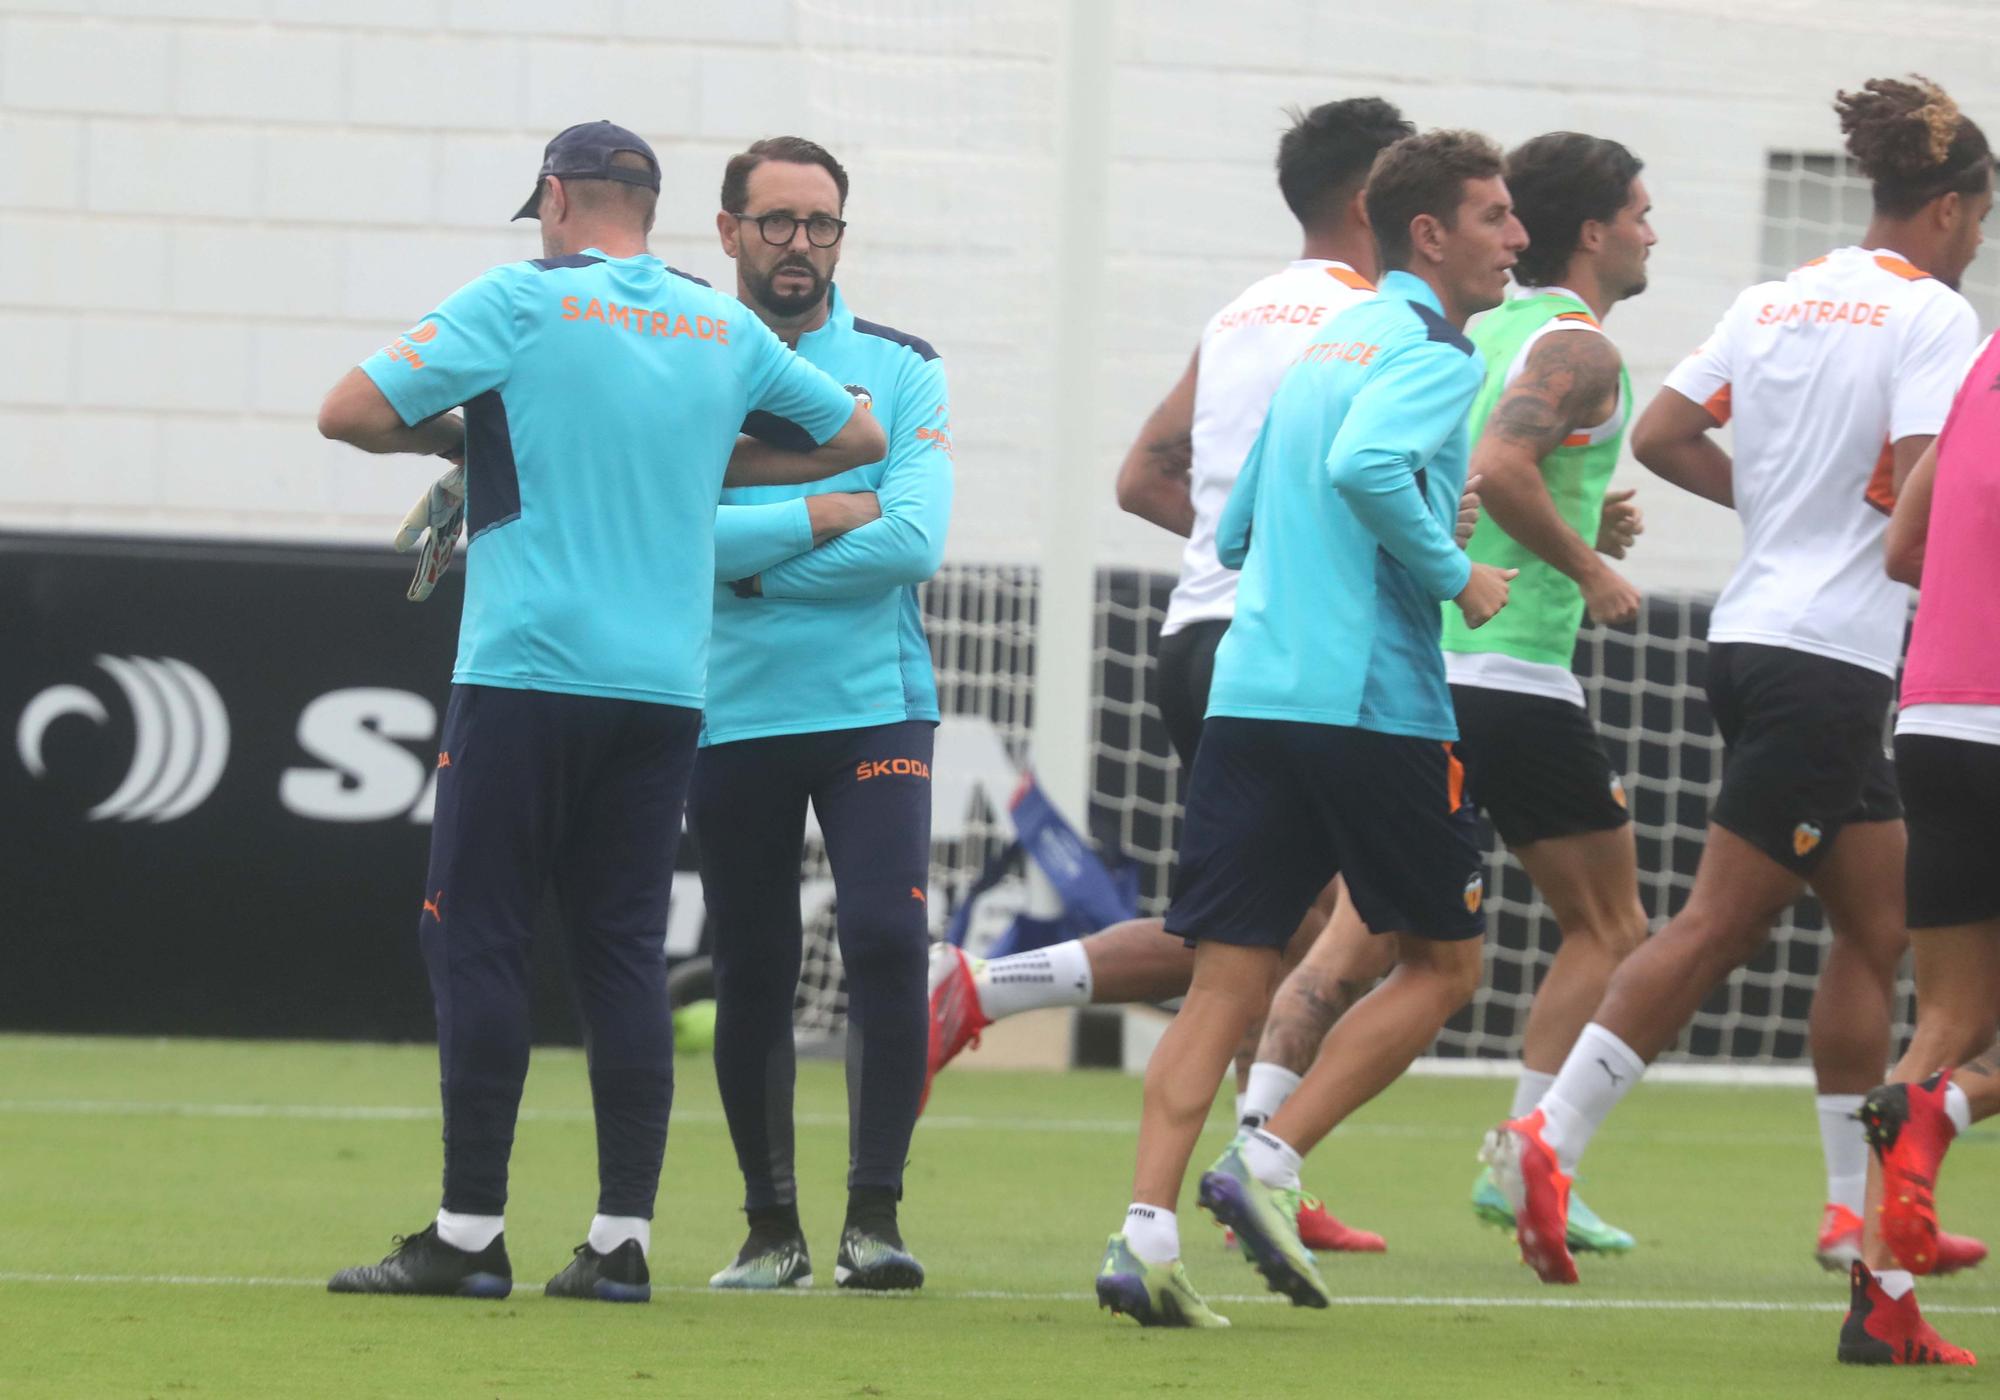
[1342, 524]
[832, 637]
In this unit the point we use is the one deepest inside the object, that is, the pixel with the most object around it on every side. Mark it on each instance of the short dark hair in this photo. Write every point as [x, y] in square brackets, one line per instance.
[794, 150]
[1424, 175]
[1325, 155]
[1913, 143]
[1560, 182]
[602, 196]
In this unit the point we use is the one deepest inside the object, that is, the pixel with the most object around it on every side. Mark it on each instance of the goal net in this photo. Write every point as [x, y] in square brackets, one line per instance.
[1644, 687]
[950, 119]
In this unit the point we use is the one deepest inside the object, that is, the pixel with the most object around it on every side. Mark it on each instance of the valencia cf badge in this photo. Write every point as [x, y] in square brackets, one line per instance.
[1805, 839]
[1475, 893]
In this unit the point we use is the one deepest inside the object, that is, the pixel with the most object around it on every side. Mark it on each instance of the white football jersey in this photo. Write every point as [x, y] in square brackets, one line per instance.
[1821, 373]
[1245, 350]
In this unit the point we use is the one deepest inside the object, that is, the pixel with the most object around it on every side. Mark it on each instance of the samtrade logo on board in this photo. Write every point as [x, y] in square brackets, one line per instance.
[180, 728]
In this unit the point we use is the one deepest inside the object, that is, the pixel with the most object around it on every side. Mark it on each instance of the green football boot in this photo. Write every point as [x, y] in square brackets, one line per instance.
[1266, 1222]
[1152, 1295]
[1587, 1233]
[774, 1256]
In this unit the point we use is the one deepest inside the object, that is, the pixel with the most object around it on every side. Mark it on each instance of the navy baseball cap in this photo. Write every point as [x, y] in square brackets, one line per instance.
[584, 152]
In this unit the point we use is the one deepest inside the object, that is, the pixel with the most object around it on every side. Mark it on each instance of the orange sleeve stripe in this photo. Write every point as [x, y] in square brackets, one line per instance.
[1719, 405]
[1347, 277]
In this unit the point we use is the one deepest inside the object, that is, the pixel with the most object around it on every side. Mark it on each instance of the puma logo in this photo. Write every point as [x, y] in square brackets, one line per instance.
[431, 906]
[918, 895]
[1616, 1077]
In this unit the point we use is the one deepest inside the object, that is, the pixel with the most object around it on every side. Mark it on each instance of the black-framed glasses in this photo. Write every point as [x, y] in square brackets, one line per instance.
[822, 230]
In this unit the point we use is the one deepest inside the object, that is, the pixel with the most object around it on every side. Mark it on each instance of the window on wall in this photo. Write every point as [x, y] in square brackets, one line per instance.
[1813, 202]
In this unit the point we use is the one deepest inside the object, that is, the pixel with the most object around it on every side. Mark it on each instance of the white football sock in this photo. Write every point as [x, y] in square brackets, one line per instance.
[1529, 1090]
[1239, 1109]
[1957, 1107]
[1601, 1070]
[607, 1232]
[1270, 1085]
[471, 1233]
[1058, 975]
[1271, 1160]
[1153, 1233]
[1844, 1142]
[1895, 1282]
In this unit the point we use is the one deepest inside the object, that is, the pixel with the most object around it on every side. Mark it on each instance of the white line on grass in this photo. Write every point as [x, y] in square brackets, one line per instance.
[990, 1295]
[935, 1122]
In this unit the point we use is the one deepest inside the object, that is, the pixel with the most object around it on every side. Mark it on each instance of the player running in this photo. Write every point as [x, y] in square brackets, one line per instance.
[1178, 475]
[820, 691]
[1327, 745]
[602, 395]
[1947, 764]
[1838, 378]
[1548, 425]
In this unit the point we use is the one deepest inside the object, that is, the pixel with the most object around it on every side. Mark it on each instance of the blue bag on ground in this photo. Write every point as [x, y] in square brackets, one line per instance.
[1093, 897]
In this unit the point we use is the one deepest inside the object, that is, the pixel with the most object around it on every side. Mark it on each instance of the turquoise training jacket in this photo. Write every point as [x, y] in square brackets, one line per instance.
[602, 398]
[836, 639]
[1342, 525]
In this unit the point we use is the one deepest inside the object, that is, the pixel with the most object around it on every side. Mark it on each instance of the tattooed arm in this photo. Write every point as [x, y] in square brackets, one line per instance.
[1153, 480]
[1569, 383]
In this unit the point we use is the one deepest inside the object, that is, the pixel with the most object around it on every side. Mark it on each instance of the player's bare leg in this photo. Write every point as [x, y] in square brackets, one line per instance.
[1187, 1065]
[1371, 1046]
[1330, 916]
[1337, 969]
[1591, 884]
[1738, 894]
[1861, 887]
[1340, 967]
[1255, 1186]
[1130, 962]
[1958, 996]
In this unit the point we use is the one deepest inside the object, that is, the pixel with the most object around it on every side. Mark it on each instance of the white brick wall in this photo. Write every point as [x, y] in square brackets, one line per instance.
[210, 208]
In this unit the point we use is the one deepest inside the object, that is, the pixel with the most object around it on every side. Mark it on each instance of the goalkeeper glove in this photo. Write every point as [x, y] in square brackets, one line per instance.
[436, 520]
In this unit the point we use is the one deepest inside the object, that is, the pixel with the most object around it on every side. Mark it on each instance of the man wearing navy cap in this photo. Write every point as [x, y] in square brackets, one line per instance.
[601, 395]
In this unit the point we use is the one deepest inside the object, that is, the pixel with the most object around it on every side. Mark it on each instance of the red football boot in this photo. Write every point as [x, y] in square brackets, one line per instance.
[1884, 1331]
[1535, 1185]
[1839, 1248]
[1910, 1131]
[1319, 1230]
[1955, 1252]
[1840, 1244]
[956, 1017]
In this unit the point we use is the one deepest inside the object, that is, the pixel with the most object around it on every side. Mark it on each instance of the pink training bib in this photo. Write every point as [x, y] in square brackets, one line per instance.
[1954, 653]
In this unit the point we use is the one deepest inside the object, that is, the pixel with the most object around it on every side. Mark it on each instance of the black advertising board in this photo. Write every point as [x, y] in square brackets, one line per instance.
[215, 791]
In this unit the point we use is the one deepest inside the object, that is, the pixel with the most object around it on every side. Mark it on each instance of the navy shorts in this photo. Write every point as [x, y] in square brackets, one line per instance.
[1277, 808]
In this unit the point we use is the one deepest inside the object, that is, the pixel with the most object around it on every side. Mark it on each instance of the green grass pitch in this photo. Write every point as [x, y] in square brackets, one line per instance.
[169, 1211]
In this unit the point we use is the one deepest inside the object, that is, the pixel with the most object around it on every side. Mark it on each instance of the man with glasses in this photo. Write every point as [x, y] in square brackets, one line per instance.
[601, 395]
[820, 690]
